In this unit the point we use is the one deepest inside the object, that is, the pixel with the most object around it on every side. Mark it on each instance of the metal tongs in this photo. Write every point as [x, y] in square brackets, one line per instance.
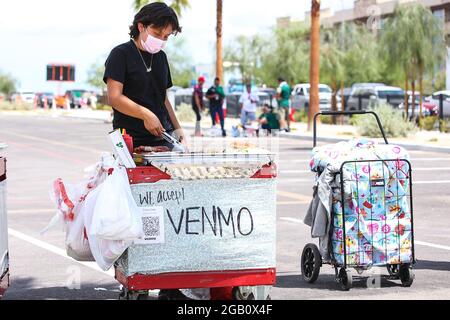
[177, 146]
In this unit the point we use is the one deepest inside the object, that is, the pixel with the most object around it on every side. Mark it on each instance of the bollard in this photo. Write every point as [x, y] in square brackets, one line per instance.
[359, 102]
[441, 107]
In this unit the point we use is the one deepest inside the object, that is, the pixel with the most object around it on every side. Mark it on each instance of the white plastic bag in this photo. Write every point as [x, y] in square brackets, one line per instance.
[69, 200]
[105, 252]
[116, 215]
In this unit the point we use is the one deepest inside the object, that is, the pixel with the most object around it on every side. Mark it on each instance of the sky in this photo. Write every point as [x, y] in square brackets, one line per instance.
[82, 32]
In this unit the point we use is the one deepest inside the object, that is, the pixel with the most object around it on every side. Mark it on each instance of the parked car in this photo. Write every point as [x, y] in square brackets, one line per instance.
[233, 106]
[427, 108]
[433, 102]
[300, 97]
[268, 95]
[40, 99]
[344, 98]
[360, 85]
[364, 97]
[25, 96]
[77, 98]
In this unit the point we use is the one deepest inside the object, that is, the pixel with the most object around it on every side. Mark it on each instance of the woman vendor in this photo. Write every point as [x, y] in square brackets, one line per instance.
[137, 75]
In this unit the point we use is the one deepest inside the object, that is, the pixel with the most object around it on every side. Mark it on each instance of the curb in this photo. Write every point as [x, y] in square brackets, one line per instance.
[408, 146]
[86, 118]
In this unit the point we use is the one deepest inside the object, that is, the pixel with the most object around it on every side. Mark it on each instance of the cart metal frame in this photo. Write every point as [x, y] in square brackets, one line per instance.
[311, 260]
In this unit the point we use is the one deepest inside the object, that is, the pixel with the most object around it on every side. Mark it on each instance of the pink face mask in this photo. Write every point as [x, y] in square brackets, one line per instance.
[152, 44]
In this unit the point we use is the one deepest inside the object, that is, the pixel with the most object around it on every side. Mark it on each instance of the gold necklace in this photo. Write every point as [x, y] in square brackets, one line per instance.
[143, 61]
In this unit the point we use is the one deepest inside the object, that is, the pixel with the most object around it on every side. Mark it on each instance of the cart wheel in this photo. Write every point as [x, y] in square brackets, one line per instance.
[393, 270]
[311, 262]
[238, 295]
[132, 295]
[406, 275]
[344, 279]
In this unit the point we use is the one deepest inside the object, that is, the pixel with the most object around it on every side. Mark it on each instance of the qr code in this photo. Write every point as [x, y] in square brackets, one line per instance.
[151, 226]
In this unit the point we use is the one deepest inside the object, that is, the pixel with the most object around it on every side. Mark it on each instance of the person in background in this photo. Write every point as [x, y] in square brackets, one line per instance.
[216, 96]
[269, 120]
[93, 100]
[198, 105]
[283, 99]
[248, 101]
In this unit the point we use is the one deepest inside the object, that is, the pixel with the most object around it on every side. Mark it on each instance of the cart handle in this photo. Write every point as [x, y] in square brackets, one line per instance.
[346, 113]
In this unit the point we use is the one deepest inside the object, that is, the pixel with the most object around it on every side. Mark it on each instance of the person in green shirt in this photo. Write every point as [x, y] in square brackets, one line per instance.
[268, 119]
[216, 96]
[283, 99]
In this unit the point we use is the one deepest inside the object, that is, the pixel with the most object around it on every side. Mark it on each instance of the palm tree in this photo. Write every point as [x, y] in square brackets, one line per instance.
[413, 40]
[219, 60]
[177, 5]
[315, 62]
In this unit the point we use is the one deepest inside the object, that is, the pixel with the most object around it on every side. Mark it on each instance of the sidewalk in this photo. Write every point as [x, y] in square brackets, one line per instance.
[100, 115]
[421, 140]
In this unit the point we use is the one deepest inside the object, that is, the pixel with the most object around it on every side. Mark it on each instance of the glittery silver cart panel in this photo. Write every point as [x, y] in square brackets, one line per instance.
[3, 229]
[209, 225]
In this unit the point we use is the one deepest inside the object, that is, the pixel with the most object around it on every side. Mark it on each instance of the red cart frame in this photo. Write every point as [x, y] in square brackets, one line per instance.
[220, 282]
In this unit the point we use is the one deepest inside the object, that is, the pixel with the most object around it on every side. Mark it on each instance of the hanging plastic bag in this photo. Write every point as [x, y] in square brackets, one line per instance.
[69, 200]
[105, 252]
[116, 215]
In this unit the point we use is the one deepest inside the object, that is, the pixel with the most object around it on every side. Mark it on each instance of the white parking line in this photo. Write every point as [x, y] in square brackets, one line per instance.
[32, 211]
[413, 169]
[432, 182]
[430, 159]
[282, 180]
[422, 243]
[431, 169]
[56, 250]
[292, 220]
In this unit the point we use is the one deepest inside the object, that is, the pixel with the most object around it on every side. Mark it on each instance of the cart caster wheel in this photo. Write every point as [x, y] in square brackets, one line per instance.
[133, 295]
[311, 262]
[393, 270]
[406, 275]
[344, 279]
[239, 295]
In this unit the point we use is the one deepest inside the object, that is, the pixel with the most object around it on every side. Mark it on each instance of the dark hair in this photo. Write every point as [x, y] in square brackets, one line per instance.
[217, 79]
[280, 79]
[156, 14]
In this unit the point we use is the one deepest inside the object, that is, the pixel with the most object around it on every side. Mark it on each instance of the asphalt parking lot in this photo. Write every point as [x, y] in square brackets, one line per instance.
[42, 149]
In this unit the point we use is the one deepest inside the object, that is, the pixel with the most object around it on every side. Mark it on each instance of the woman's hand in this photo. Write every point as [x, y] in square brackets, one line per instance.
[152, 123]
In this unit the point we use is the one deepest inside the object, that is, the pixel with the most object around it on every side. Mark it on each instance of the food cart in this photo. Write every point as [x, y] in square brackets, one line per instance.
[209, 222]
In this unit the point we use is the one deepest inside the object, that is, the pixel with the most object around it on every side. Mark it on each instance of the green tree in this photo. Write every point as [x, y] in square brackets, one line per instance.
[331, 67]
[7, 83]
[413, 43]
[177, 5]
[287, 57]
[95, 76]
[181, 66]
[245, 54]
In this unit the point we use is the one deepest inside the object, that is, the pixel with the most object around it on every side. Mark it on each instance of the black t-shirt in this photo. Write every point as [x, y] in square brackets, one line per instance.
[213, 102]
[125, 65]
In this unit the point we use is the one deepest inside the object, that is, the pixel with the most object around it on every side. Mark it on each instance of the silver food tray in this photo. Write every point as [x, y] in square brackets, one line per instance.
[196, 158]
